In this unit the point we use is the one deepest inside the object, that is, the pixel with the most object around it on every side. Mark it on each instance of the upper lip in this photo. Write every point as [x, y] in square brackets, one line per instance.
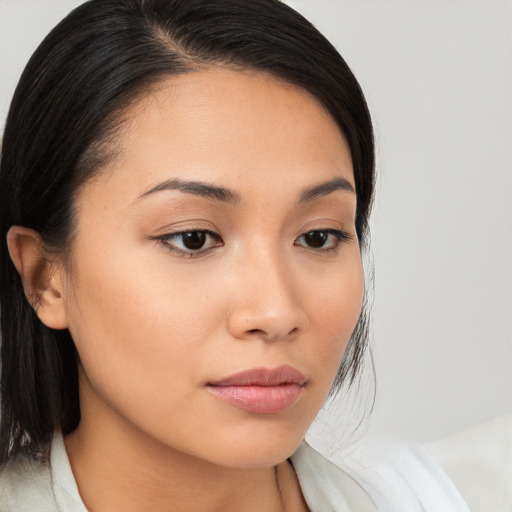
[263, 377]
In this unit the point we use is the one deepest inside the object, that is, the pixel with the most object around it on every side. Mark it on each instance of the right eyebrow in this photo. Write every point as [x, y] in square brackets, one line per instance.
[199, 188]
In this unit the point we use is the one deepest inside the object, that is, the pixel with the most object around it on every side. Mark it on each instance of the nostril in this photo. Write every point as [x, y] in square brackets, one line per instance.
[269, 335]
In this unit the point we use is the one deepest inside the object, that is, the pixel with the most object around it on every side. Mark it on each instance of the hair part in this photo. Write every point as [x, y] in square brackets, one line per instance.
[64, 126]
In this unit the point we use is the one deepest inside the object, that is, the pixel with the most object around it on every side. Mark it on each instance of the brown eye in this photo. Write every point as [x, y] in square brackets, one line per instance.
[194, 240]
[323, 240]
[316, 239]
[191, 243]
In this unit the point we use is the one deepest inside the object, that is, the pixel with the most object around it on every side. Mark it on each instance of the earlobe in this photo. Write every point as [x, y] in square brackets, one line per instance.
[42, 281]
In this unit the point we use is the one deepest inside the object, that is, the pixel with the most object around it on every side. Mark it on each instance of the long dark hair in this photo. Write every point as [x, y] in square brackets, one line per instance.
[62, 126]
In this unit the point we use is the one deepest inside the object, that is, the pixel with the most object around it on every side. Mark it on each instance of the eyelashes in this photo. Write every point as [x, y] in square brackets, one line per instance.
[192, 243]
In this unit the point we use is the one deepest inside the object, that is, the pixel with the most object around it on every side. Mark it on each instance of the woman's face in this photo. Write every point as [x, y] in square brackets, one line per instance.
[216, 275]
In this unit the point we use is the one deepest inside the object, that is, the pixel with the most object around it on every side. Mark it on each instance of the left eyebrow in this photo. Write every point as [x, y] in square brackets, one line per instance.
[326, 188]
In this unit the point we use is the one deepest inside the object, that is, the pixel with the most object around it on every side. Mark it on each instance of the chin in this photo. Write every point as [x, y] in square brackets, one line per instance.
[258, 450]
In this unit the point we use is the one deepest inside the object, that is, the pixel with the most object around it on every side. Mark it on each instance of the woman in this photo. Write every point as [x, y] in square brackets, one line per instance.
[186, 187]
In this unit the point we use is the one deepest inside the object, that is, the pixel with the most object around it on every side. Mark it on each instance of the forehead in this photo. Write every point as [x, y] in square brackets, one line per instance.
[233, 127]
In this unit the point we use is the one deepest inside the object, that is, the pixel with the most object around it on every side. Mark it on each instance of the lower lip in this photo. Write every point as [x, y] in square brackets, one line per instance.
[259, 399]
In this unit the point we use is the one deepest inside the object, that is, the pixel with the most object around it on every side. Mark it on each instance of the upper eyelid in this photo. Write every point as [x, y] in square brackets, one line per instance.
[186, 226]
[193, 230]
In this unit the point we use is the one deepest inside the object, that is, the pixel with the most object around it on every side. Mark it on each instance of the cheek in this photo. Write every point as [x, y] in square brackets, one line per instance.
[334, 309]
[137, 326]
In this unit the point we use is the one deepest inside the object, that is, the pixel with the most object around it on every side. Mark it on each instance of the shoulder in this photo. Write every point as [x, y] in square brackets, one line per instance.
[381, 476]
[25, 486]
[484, 449]
[403, 476]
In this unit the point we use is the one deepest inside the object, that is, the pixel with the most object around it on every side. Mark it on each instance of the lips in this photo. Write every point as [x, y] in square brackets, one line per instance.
[261, 390]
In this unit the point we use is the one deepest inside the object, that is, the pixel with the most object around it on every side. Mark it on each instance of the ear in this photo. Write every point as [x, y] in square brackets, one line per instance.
[42, 278]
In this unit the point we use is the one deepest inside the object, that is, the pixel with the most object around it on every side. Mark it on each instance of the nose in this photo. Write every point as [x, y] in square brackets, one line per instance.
[267, 303]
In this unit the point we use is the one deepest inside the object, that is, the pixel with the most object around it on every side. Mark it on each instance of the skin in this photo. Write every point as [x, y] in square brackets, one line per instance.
[154, 325]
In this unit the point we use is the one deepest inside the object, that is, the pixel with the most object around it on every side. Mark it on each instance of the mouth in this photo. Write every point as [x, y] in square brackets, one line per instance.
[260, 390]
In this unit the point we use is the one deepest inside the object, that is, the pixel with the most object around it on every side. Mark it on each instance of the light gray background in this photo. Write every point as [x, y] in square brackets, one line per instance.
[438, 78]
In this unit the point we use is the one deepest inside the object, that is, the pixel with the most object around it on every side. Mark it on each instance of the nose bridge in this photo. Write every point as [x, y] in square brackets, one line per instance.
[266, 302]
